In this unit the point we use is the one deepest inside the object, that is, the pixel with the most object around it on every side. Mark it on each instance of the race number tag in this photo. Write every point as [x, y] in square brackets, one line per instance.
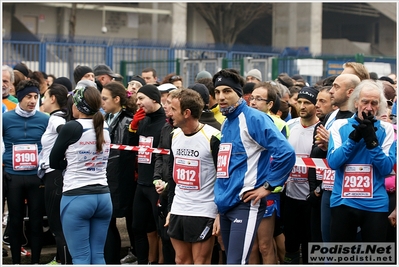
[328, 179]
[25, 157]
[299, 174]
[319, 174]
[358, 181]
[223, 161]
[186, 173]
[145, 157]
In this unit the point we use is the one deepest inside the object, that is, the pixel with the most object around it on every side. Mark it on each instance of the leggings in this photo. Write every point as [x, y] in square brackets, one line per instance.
[52, 198]
[345, 221]
[325, 218]
[112, 249]
[238, 228]
[21, 187]
[85, 220]
[145, 219]
[297, 226]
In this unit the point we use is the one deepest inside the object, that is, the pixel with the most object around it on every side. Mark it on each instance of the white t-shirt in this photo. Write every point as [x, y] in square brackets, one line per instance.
[48, 139]
[301, 139]
[194, 173]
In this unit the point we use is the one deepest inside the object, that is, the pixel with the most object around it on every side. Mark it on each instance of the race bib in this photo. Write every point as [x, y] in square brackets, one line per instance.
[144, 156]
[25, 157]
[186, 173]
[299, 174]
[328, 179]
[358, 181]
[223, 161]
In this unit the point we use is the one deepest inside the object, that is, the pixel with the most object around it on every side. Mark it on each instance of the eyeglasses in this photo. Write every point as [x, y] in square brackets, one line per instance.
[175, 78]
[258, 99]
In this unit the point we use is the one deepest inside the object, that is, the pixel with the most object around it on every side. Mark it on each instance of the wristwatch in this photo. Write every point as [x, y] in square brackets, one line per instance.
[267, 186]
[317, 190]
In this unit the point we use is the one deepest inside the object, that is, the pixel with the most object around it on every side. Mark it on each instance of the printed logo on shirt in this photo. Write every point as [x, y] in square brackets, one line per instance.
[187, 152]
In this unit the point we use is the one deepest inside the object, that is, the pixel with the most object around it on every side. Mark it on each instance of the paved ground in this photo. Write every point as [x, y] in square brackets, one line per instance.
[49, 252]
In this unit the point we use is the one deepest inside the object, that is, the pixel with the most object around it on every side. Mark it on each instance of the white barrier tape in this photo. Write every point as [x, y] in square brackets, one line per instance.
[141, 149]
[302, 162]
[319, 163]
[312, 163]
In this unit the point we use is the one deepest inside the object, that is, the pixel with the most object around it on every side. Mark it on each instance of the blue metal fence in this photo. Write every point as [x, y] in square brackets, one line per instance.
[61, 57]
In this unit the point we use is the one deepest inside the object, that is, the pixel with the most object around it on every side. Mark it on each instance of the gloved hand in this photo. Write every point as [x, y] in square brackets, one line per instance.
[140, 114]
[356, 135]
[368, 130]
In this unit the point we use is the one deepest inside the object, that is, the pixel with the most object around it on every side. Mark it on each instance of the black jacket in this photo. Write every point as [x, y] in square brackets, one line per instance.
[207, 117]
[150, 126]
[319, 153]
[161, 169]
[121, 167]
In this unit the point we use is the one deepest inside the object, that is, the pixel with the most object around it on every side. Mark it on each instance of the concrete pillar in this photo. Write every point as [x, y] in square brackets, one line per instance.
[298, 25]
[179, 23]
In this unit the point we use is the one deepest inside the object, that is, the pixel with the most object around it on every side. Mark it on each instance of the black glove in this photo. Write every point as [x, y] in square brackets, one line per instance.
[356, 134]
[368, 130]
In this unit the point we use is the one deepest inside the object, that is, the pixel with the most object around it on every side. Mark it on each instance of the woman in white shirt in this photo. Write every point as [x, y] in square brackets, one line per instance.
[54, 102]
[82, 148]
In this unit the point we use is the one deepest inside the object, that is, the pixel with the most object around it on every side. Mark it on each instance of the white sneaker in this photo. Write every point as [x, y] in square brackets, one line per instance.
[5, 218]
[130, 257]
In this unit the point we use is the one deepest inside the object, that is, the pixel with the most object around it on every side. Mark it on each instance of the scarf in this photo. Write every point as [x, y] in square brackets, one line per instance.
[24, 113]
[231, 109]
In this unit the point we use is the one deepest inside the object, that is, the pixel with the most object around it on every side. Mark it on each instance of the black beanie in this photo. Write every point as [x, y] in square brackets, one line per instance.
[65, 82]
[79, 72]
[203, 91]
[22, 68]
[138, 79]
[309, 93]
[151, 91]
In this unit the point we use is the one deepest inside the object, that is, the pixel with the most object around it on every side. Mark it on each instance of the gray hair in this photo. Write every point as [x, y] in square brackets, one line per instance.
[369, 84]
[10, 70]
[282, 89]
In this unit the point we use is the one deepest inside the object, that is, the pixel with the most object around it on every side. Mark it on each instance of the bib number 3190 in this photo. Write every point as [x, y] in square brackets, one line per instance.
[24, 157]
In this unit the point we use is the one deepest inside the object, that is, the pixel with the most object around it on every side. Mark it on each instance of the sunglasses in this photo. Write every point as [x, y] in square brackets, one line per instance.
[175, 78]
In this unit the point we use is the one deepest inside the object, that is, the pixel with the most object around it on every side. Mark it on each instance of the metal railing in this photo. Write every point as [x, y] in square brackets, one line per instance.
[60, 59]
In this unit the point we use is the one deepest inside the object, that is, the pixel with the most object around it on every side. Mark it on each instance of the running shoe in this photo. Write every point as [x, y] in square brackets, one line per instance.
[53, 262]
[24, 252]
[130, 257]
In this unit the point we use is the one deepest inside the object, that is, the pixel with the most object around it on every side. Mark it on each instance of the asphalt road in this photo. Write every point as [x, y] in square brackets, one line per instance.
[49, 251]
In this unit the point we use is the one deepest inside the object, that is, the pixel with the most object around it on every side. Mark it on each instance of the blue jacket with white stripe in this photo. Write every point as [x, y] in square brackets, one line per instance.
[259, 153]
[343, 151]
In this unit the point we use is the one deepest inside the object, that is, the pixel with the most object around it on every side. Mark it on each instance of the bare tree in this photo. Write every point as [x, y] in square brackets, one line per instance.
[227, 20]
